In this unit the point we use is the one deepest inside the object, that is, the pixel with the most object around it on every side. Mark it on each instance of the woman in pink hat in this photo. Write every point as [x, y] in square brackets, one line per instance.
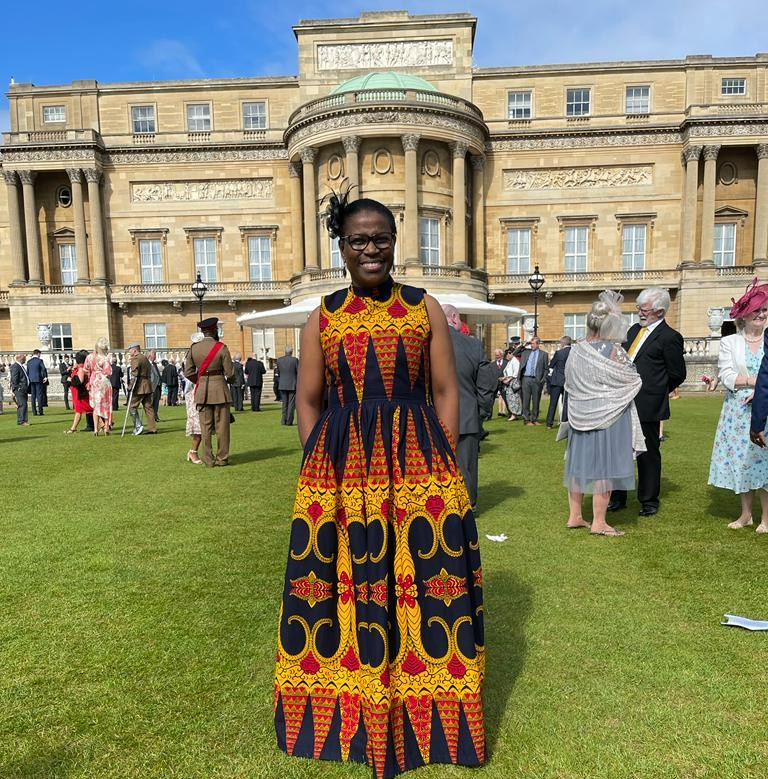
[737, 464]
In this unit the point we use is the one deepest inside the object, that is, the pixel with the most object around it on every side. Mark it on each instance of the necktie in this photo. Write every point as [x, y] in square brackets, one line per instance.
[635, 345]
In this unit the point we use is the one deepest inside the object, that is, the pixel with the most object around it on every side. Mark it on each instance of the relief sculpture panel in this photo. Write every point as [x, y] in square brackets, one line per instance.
[219, 189]
[578, 178]
[381, 56]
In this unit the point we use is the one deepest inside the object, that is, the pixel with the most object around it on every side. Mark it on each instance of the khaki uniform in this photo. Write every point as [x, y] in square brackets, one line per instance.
[141, 394]
[212, 397]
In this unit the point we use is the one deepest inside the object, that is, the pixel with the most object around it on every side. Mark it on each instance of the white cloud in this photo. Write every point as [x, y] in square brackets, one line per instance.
[169, 59]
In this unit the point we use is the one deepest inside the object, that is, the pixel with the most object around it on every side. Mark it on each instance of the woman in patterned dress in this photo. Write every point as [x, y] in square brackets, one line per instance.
[98, 369]
[737, 464]
[380, 645]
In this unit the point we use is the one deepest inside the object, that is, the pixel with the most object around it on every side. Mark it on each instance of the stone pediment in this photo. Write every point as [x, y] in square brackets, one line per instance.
[724, 212]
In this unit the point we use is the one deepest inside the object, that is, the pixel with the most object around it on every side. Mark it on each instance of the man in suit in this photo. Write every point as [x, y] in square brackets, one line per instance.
[657, 352]
[209, 364]
[170, 377]
[288, 366]
[497, 367]
[116, 381]
[254, 377]
[141, 391]
[20, 388]
[477, 388]
[238, 382]
[156, 380]
[65, 368]
[534, 365]
[37, 375]
[557, 379]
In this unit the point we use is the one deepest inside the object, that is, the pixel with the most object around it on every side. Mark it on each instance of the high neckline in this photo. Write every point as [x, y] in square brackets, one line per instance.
[382, 292]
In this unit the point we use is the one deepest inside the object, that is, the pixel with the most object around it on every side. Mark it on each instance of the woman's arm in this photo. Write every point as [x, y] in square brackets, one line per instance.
[445, 387]
[310, 384]
[727, 371]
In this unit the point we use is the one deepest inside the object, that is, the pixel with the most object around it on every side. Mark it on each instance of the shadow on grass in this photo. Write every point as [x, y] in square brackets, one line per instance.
[722, 504]
[20, 439]
[491, 495]
[254, 455]
[508, 610]
[47, 763]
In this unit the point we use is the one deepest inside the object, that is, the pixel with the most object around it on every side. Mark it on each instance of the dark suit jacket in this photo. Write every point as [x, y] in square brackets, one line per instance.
[559, 358]
[542, 365]
[254, 372]
[238, 379]
[36, 370]
[65, 370]
[660, 361]
[477, 384]
[170, 375]
[115, 378]
[19, 382]
[288, 365]
[760, 399]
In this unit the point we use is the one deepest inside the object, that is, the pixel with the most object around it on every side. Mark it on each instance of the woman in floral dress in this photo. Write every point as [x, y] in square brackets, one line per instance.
[98, 368]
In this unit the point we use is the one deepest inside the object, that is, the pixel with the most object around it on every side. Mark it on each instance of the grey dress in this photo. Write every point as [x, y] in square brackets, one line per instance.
[601, 460]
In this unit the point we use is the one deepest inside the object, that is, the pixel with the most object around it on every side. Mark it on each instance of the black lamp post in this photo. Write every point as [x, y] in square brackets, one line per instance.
[199, 289]
[536, 282]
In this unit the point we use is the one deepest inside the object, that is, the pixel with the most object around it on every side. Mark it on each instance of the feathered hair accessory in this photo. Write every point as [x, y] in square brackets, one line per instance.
[612, 299]
[755, 297]
[334, 212]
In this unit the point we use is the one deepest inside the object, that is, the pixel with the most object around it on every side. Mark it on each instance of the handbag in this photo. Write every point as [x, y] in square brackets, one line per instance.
[515, 384]
[82, 390]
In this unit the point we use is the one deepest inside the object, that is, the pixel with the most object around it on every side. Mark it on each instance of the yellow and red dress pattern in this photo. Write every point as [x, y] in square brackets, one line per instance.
[380, 654]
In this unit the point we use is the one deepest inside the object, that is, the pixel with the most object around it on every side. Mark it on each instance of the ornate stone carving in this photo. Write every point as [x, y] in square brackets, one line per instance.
[410, 141]
[430, 163]
[215, 189]
[711, 152]
[385, 55]
[691, 153]
[92, 175]
[586, 141]
[75, 175]
[155, 157]
[294, 170]
[27, 176]
[335, 167]
[477, 161]
[49, 155]
[459, 149]
[578, 178]
[761, 150]
[710, 130]
[308, 154]
[351, 143]
[381, 162]
[10, 178]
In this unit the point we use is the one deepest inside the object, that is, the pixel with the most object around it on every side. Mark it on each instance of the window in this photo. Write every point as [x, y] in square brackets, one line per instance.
[54, 113]
[519, 250]
[576, 245]
[429, 241]
[733, 86]
[198, 117]
[336, 261]
[205, 258]
[64, 196]
[151, 254]
[577, 102]
[519, 104]
[61, 337]
[632, 318]
[725, 244]
[254, 116]
[260, 257]
[575, 325]
[68, 261]
[633, 247]
[143, 119]
[154, 336]
[638, 100]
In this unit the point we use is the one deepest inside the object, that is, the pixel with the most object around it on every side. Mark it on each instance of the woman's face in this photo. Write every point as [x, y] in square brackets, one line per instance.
[758, 318]
[369, 266]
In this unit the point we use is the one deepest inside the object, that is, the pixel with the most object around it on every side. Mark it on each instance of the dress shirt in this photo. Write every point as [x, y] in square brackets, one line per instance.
[645, 331]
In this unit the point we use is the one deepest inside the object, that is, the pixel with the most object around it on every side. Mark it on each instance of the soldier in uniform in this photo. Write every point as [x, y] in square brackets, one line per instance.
[209, 364]
[141, 391]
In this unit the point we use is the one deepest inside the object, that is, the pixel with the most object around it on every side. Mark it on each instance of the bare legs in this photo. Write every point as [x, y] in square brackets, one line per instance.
[192, 454]
[599, 507]
[75, 423]
[745, 518]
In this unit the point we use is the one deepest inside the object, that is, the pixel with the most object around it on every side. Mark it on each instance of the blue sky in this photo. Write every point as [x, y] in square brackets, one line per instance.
[142, 40]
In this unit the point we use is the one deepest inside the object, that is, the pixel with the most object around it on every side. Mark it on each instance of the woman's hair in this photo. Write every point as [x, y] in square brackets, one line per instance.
[102, 345]
[605, 318]
[340, 209]
[80, 356]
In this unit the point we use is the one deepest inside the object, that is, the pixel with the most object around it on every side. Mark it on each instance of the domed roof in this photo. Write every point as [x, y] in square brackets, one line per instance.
[384, 80]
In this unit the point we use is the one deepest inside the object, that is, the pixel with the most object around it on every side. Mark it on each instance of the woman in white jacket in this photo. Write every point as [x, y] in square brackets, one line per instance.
[737, 464]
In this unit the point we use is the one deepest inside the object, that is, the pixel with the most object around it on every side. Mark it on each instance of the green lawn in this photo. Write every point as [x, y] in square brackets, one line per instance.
[139, 600]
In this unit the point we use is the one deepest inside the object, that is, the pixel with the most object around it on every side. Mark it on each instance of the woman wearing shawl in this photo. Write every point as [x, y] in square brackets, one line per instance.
[603, 429]
[737, 464]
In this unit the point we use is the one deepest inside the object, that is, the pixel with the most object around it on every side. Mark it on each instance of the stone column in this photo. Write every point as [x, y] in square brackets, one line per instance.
[297, 231]
[708, 203]
[93, 177]
[351, 147]
[411, 221]
[311, 259]
[18, 272]
[459, 150]
[81, 244]
[478, 207]
[688, 230]
[760, 248]
[34, 255]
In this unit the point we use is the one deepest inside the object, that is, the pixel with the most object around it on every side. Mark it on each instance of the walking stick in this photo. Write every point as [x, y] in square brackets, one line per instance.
[127, 411]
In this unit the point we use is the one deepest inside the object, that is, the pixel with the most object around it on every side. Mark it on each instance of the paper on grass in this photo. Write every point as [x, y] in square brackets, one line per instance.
[500, 537]
[733, 620]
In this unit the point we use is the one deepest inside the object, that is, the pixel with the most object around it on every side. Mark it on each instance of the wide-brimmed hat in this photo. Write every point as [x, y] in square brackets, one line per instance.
[755, 297]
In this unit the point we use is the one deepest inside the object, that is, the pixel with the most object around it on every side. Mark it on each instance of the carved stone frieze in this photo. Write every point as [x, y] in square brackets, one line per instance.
[384, 55]
[215, 189]
[351, 143]
[584, 141]
[578, 178]
[410, 141]
[156, 156]
[49, 155]
[711, 130]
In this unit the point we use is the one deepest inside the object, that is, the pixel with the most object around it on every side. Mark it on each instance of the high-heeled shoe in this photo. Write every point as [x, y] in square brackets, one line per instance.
[193, 457]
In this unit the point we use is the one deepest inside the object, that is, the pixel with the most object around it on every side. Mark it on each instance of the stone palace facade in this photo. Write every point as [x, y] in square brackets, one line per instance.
[622, 175]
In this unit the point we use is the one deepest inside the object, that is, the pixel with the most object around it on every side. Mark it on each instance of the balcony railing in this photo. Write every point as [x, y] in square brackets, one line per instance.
[51, 136]
[726, 109]
[3, 295]
[670, 277]
[57, 289]
[215, 288]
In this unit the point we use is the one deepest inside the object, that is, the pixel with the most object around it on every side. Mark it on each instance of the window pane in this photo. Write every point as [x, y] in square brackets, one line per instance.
[54, 113]
[151, 261]
[577, 102]
[576, 247]
[519, 104]
[143, 118]
[575, 325]
[734, 86]
[61, 336]
[68, 262]
[154, 336]
[429, 241]
[725, 245]
[638, 100]
[254, 116]
[205, 258]
[519, 250]
[633, 251]
[336, 261]
[198, 118]
[260, 257]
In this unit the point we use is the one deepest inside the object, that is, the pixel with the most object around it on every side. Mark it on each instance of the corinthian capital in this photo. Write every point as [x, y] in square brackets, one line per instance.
[294, 170]
[10, 177]
[459, 149]
[761, 150]
[92, 175]
[410, 141]
[351, 143]
[711, 152]
[477, 161]
[75, 175]
[308, 154]
[691, 153]
[27, 176]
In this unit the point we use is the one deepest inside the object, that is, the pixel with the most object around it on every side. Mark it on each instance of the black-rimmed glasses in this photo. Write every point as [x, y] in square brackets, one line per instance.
[359, 242]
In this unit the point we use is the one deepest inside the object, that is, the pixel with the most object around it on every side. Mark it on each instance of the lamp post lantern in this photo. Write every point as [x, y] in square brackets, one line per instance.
[199, 289]
[536, 282]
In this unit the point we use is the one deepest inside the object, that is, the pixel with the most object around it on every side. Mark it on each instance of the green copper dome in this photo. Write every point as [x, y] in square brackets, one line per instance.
[384, 80]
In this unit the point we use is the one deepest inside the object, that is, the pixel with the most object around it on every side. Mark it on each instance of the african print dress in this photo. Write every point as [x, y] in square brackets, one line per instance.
[380, 648]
